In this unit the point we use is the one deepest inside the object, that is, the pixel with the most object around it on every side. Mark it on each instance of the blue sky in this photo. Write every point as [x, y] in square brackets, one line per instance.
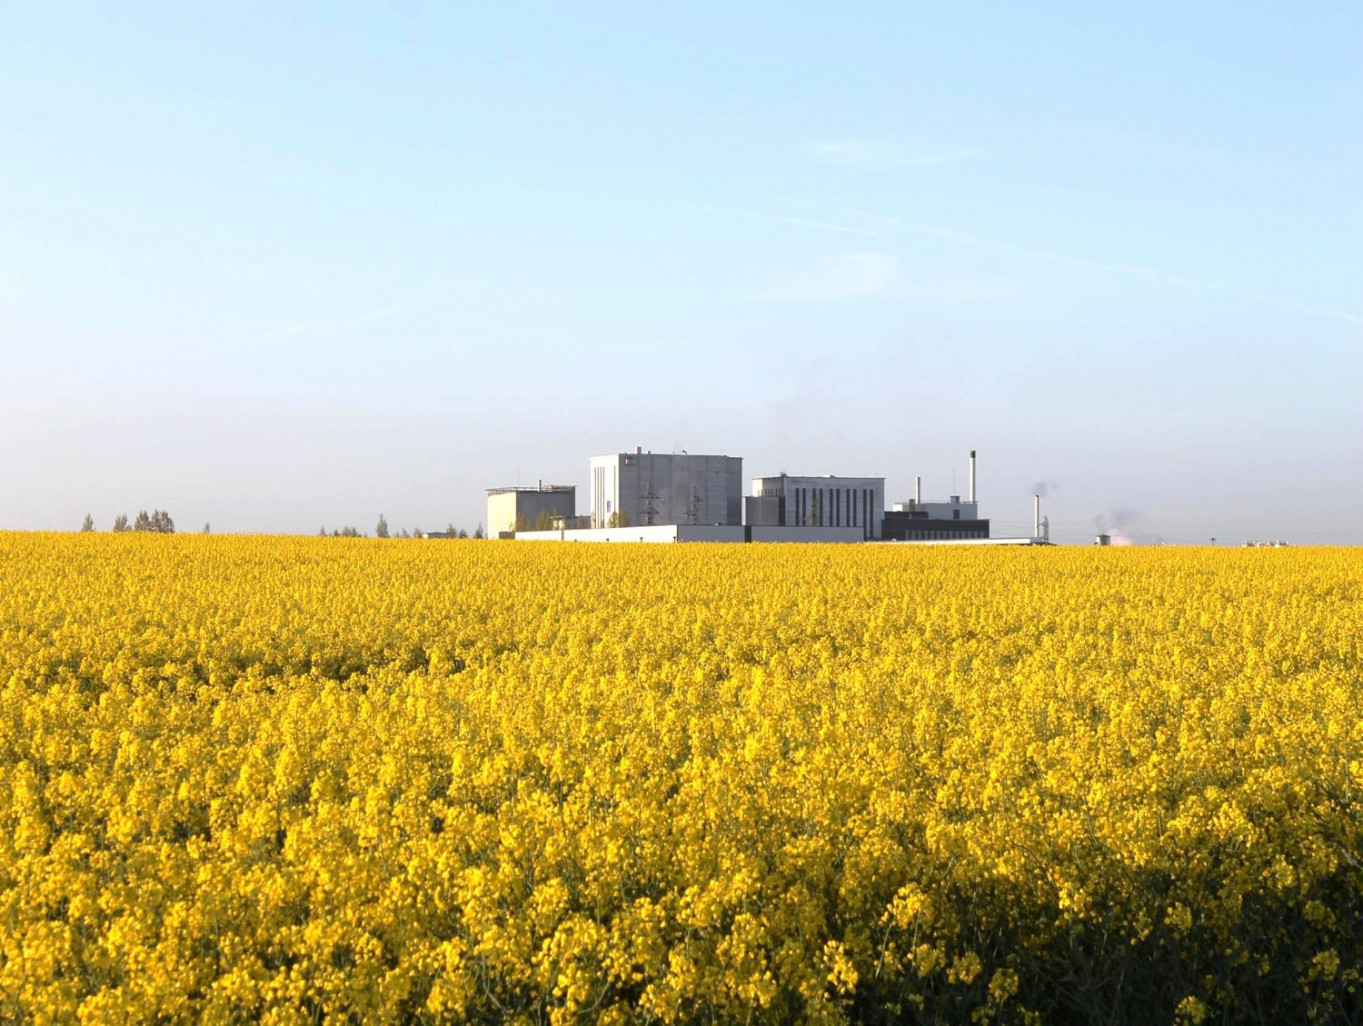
[277, 266]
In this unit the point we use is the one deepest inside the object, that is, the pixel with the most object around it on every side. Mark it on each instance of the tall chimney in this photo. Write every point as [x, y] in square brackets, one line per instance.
[918, 491]
[638, 450]
[972, 475]
[1036, 516]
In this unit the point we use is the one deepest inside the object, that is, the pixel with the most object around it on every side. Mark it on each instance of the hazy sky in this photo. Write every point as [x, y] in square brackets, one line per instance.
[278, 266]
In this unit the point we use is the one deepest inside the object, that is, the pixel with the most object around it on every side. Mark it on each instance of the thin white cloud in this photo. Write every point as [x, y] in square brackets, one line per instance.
[883, 154]
[839, 276]
[804, 222]
[834, 280]
[798, 222]
[1133, 270]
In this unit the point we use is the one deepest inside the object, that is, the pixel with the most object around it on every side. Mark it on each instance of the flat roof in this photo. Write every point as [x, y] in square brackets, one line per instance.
[820, 477]
[649, 452]
[532, 489]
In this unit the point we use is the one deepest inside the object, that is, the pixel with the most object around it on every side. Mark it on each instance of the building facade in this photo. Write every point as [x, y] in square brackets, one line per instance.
[951, 520]
[513, 509]
[642, 489]
[917, 525]
[785, 501]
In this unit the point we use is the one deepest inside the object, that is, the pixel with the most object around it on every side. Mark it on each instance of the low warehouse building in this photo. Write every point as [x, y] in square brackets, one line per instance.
[523, 509]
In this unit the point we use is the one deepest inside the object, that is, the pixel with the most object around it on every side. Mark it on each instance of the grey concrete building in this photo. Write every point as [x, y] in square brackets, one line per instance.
[650, 489]
[509, 507]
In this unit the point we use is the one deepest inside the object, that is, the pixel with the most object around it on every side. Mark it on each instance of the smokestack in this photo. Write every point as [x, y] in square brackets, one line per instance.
[638, 450]
[918, 491]
[972, 475]
[1036, 516]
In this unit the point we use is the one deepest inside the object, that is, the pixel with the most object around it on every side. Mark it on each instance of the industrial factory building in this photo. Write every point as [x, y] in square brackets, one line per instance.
[952, 520]
[676, 497]
[828, 501]
[645, 489]
[523, 509]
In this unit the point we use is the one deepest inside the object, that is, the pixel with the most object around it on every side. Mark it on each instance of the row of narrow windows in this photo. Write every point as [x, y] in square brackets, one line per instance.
[941, 535]
[832, 507]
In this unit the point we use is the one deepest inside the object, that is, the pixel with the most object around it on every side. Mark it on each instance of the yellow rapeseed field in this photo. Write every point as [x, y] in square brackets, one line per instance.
[303, 780]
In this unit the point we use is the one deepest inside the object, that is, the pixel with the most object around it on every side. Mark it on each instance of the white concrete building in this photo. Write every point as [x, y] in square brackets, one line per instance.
[828, 501]
[650, 489]
[656, 533]
[698, 533]
[953, 508]
[841, 535]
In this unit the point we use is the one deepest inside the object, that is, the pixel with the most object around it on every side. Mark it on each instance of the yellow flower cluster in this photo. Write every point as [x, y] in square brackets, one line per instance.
[322, 779]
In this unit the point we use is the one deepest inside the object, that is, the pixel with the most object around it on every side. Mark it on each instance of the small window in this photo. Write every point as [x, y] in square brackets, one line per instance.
[955, 514]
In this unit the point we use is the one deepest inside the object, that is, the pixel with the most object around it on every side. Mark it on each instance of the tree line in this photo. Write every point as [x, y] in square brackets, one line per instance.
[382, 530]
[157, 522]
[160, 522]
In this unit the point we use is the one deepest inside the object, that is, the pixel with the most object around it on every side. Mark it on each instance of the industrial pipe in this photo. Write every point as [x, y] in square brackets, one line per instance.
[972, 475]
[1036, 516]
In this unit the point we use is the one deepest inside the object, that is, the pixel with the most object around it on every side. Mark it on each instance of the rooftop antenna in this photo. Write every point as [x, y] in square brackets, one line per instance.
[649, 511]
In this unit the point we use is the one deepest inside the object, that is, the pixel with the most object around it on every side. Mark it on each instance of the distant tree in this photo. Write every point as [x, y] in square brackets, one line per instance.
[121, 523]
[465, 534]
[323, 532]
[208, 529]
[88, 524]
[157, 522]
[381, 530]
[479, 532]
[450, 532]
[521, 524]
[544, 522]
[403, 533]
[618, 519]
[416, 532]
[350, 532]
